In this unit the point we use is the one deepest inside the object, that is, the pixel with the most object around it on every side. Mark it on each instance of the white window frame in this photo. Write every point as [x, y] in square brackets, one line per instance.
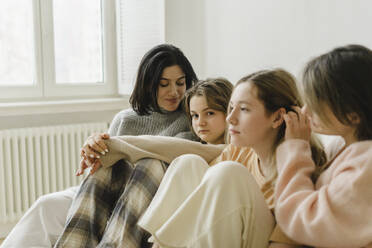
[45, 86]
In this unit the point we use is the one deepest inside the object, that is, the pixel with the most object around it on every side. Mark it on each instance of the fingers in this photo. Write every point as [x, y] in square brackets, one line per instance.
[302, 117]
[95, 145]
[297, 124]
[105, 135]
[85, 163]
[88, 160]
[82, 167]
[100, 144]
[90, 153]
[97, 164]
[298, 116]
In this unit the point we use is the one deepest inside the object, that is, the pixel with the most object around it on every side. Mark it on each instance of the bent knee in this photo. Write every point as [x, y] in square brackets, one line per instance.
[44, 200]
[190, 157]
[188, 163]
[228, 169]
[228, 173]
[50, 202]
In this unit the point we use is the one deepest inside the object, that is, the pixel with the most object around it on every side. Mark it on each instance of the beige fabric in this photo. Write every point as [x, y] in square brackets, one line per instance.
[134, 148]
[249, 159]
[201, 206]
[333, 147]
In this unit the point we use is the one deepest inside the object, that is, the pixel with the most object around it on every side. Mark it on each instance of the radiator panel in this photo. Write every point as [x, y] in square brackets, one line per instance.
[38, 161]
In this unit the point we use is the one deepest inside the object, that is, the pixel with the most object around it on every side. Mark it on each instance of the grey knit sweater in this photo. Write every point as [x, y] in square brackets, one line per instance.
[128, 122]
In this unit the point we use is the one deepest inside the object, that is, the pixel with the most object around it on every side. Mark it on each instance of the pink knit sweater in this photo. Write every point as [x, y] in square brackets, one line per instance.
[337, 210]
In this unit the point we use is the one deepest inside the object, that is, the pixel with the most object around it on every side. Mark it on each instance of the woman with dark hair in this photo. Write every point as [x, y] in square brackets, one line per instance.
[145, 94]
[163, 76]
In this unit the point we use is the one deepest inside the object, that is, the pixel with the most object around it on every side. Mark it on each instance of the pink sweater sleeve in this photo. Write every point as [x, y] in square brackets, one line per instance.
[336, 214]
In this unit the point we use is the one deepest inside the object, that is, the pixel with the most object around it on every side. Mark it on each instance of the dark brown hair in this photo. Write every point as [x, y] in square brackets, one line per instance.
[144, 95]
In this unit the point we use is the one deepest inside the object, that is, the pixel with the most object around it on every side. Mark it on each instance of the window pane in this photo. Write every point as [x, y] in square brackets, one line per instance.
[16, 43]
[78, 41]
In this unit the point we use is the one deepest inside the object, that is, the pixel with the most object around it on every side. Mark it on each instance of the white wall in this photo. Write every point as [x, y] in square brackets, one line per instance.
[236, 37]
[185, 28]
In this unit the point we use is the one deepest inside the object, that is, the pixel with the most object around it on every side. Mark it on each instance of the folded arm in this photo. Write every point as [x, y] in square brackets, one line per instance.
[339, 212]
[133, 148]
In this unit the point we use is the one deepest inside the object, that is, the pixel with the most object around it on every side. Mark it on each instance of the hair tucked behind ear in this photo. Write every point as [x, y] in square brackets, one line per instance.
[277, 89]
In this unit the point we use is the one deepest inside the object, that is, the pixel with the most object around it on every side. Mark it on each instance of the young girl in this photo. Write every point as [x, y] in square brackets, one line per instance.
[228, 204]
[206, 103]
[336, 211]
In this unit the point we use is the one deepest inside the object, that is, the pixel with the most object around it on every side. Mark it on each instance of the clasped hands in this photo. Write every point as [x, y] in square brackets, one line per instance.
[93, 148]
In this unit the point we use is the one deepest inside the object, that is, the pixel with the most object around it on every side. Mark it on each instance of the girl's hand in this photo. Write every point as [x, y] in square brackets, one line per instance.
[297, 125]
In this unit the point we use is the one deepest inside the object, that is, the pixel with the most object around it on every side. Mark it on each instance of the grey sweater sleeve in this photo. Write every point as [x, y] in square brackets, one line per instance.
[115, 128]
[128, 122]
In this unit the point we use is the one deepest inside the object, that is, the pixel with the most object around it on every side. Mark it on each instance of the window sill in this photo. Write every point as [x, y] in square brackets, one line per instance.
[63, 106]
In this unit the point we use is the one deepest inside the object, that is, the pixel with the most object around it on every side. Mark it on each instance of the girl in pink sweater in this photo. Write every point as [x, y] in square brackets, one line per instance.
[336, 210]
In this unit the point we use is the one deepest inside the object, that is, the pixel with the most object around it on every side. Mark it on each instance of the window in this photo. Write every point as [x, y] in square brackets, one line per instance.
[57, 48]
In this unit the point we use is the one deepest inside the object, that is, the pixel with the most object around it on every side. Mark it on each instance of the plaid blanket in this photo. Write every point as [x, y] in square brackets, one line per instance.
[109, 204]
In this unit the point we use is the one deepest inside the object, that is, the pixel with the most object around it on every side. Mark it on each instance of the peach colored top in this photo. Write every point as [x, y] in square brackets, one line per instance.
[248, 158]
[337, 210]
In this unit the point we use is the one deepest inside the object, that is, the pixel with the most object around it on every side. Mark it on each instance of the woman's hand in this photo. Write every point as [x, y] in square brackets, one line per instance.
[297, 125]
[89, 153]
[95, 145]
[86, 162]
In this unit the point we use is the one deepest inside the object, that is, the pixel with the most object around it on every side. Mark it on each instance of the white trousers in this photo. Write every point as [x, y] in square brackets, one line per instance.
[201, 206]
[43, 222]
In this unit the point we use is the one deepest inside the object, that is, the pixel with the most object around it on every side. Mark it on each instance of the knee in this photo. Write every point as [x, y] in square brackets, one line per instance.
[187, 163]
[44, 201]
[190, 158]
[228, 174]
[100, 176]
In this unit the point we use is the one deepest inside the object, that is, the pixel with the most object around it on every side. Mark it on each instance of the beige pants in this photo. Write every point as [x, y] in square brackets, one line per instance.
[201, 206]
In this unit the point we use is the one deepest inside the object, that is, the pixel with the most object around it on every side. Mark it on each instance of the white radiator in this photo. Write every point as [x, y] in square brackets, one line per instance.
[37, 161]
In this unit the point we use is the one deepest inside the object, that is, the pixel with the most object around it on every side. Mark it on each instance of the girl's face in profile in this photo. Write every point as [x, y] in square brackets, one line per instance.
[209, 124]
[332, 127]
[249, 124]
[171, 88]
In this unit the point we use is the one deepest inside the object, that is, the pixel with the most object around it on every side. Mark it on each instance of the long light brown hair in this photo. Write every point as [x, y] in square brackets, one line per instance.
[277, 89]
